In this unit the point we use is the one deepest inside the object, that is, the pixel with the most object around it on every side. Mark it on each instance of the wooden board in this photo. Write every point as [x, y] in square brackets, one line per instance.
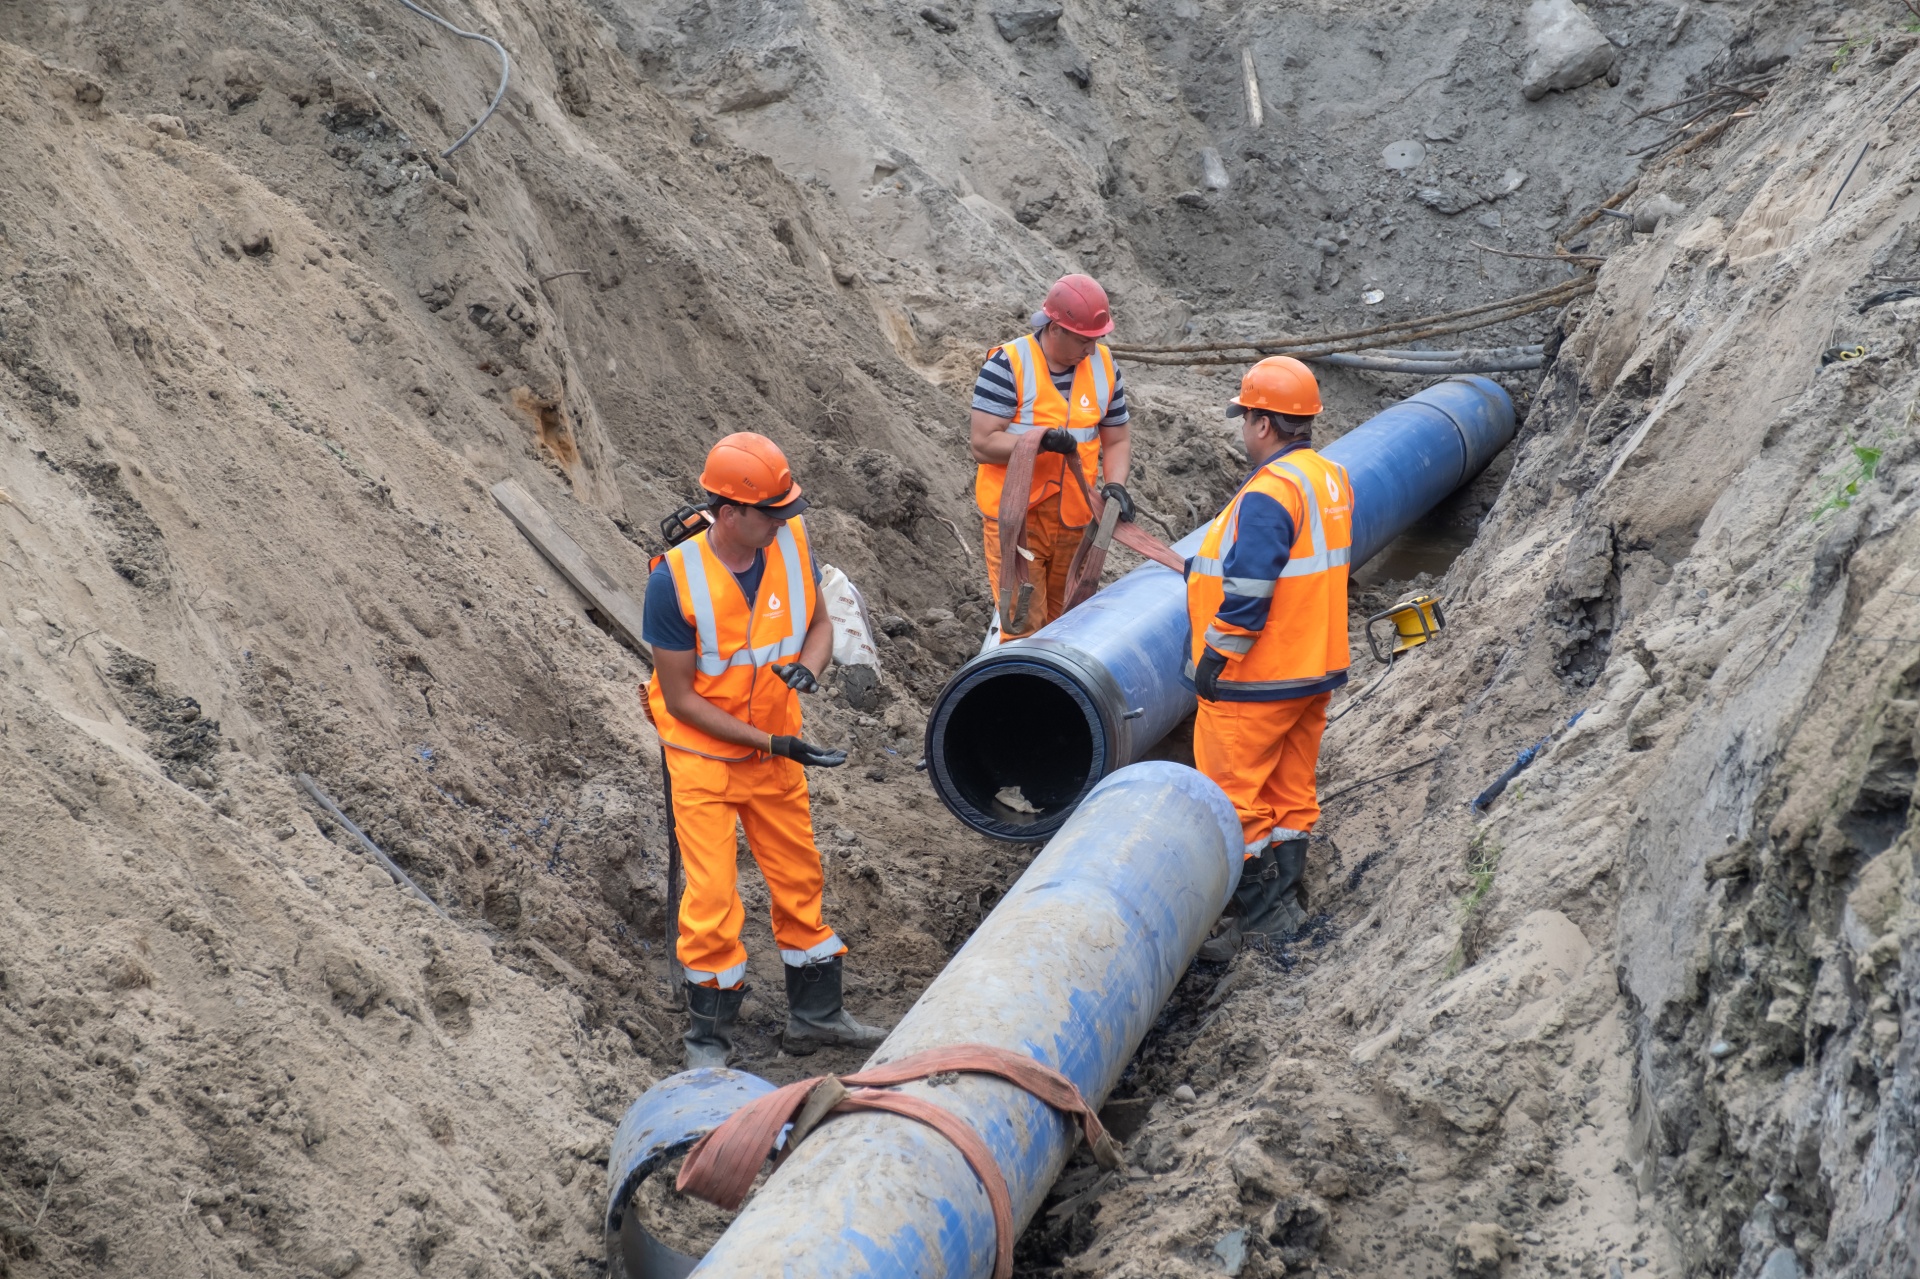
[578, 567]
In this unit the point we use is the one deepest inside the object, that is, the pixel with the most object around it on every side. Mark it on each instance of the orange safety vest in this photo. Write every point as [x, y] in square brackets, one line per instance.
[1305, 639]
[735, 639]
[1041, 408]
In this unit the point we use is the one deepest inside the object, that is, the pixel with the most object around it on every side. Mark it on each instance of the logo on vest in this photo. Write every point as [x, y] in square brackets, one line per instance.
[1333, 488]
[1085, 403]
[773, 603]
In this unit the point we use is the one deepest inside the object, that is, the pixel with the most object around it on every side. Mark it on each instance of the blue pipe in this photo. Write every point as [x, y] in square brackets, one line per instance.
[1071, 968]
[1054, 713]
[665, 1122]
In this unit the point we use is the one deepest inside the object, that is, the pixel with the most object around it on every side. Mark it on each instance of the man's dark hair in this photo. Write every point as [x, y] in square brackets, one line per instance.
[1293, 424]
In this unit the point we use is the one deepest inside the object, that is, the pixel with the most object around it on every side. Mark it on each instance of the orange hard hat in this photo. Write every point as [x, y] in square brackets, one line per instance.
[1278, 384]
[750, 469]
[1078, 304]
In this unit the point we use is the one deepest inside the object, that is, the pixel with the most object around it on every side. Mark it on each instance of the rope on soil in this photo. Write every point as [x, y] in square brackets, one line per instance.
[1479, 317]
[506, 70]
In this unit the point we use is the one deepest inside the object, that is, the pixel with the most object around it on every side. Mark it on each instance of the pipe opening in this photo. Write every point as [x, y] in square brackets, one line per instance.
[1012, 737]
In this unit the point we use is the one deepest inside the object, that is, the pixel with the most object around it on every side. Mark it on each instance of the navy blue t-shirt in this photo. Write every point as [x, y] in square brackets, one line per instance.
[665, 626]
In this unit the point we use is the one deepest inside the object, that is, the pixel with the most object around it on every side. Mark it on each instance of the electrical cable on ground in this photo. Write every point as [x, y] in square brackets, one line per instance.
[1306, 349]
[506, 70]
[1362, 695]
[1328, 799]
[1280, 343]
[1866, 147]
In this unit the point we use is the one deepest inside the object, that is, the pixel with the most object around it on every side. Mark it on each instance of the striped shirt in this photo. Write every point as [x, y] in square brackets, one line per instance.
[993, 390]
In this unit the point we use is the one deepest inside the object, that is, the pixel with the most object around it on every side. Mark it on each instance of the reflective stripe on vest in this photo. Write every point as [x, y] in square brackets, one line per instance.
[726, 659]
[1042, 406]
[1304, 639]
[1027, 359]
[1322, 558]
[710, 660]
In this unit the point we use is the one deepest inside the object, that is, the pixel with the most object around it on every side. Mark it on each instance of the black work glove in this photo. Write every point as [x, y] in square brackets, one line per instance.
[806, 753]
[797, 676]
[1057, 441]
[1206, 674]
[1117, 492]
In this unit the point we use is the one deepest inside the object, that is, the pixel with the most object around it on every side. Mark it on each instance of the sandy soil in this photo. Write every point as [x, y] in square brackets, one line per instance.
[262, 352]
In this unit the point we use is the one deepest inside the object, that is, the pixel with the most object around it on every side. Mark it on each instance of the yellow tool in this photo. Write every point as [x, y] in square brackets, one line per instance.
[1416, 620]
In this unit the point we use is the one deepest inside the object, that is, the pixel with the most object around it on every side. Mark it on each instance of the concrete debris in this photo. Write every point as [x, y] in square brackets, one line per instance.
[939, 19]
[1564, 49]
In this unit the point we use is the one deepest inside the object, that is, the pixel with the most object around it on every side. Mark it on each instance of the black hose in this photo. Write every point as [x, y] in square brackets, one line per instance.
[506, 69]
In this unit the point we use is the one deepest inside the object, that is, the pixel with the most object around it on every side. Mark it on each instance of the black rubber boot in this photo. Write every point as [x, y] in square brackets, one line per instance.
[815, 1015]
[1265, 904]
[711, 1013]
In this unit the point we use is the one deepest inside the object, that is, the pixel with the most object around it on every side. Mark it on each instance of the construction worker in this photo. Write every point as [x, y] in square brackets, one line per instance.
[1267, 603]
[738, 634]
[1059, 379]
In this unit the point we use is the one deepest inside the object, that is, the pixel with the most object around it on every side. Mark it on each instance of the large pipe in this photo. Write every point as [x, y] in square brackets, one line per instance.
[663, 1124]
[1071, 968]
[1054, 713]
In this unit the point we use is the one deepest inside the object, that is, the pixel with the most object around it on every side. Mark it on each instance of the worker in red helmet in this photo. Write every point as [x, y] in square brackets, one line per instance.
[1267, 608]
[734, 619]
[1060, 379]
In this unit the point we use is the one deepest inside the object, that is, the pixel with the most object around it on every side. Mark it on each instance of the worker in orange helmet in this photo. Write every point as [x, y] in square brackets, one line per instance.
[1060, 379]
[738, 633]
[1267, 604]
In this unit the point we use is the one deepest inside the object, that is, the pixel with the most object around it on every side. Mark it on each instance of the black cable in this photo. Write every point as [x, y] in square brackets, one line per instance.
[1864, 148]
[1381, 778]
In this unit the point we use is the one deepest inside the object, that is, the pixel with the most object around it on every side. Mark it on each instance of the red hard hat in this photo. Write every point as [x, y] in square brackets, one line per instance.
[1078, 304]
[1278, 384]
[751, 469]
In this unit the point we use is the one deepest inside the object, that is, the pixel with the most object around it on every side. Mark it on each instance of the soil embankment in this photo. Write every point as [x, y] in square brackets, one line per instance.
[263, 350]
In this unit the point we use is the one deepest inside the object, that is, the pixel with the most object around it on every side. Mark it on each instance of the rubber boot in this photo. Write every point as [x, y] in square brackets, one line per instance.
[815, 1016]
[1265, 901]
[711, 1013]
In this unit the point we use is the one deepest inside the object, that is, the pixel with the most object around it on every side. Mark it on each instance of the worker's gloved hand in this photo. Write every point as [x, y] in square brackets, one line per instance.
[1118, 493]
[807, 753]
[1057, 441]
[1206, 674]
[797, 676]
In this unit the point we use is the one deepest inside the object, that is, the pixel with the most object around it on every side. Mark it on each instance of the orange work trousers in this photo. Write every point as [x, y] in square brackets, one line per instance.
[1263, 755]
[1053, 545]
[767, 795]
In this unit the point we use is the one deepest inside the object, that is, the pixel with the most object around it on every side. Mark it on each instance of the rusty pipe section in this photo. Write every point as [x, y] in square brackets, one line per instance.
[1071, 968]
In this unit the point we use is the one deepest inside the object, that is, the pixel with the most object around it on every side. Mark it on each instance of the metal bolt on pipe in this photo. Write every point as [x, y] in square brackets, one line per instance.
[1071, 968]
[1057, 711]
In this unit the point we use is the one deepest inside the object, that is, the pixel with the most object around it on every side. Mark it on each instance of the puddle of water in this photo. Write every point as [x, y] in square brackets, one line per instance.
[1421, 549]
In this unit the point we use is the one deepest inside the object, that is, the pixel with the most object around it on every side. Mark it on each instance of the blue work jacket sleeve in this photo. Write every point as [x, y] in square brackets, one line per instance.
[1252, 565]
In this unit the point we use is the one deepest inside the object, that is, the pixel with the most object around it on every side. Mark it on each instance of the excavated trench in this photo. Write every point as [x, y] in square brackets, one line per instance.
[1649, 1013]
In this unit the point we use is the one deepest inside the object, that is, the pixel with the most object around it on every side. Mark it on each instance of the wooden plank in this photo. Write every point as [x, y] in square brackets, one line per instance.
[578, 567]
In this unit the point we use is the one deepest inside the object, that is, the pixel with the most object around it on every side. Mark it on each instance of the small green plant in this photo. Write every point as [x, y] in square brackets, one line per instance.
[1848, 47]
[1483, 862]
[1866, 462]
